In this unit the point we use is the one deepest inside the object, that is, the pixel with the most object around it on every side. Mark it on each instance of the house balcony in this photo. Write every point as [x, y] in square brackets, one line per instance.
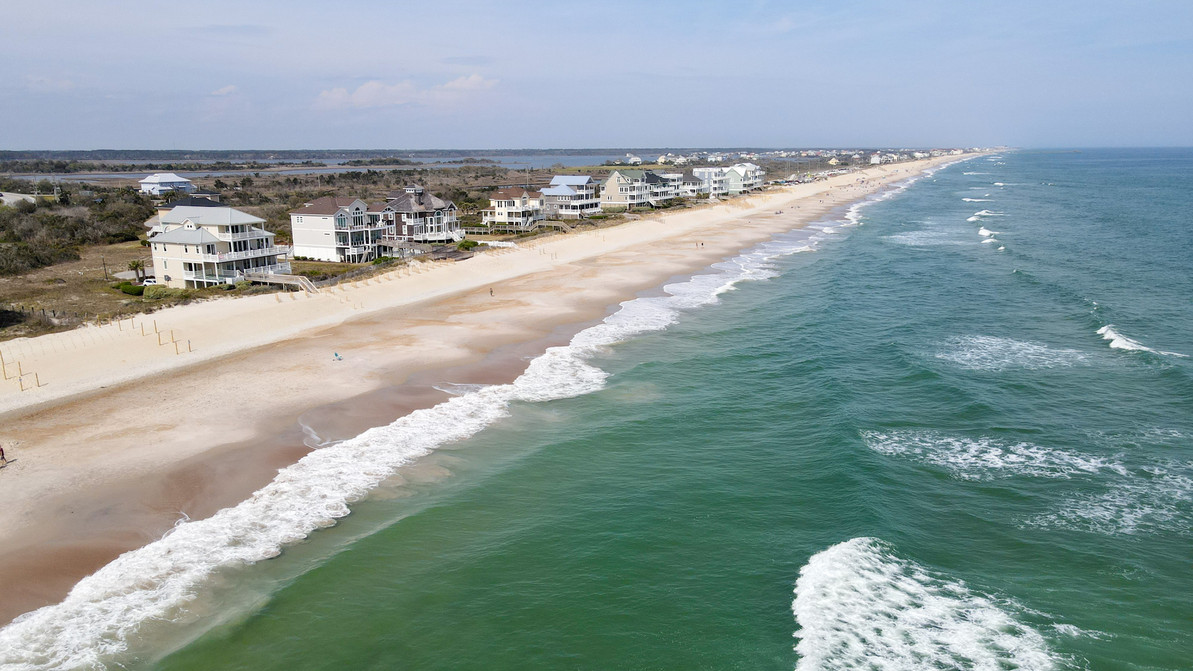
[249, 235]
[226, 274]
[276, 250]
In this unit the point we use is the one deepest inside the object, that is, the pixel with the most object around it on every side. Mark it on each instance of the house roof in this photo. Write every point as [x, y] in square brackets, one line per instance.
[570, 180]
[561, 190]
[512, 193]
[419, 201]
[209, 216]
[193, 201]
[186, 236]
[159, 177]
[630, 174]
[326, 205]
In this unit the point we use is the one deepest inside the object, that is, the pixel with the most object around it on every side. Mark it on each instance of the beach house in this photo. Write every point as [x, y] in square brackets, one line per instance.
[625, 189]
[571, 197]
[743, 177]
[513, 208]
[344, 230]
[713, 181]
[204, 246]
[161, 183]
[422, 217]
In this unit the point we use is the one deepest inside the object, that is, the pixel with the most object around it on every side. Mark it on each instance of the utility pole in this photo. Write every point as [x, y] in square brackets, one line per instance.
[105, 262]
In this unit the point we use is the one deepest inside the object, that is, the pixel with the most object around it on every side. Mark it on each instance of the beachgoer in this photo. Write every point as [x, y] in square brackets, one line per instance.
[490, 291]
[3, 459]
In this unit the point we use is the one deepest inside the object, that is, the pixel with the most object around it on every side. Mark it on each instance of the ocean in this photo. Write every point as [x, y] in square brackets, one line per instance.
[950, 427]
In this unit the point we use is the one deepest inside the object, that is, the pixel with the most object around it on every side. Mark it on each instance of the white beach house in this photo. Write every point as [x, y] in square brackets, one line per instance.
[165, 182]
[571, 197]
[203, 246]
[513, 208]
[344, 230]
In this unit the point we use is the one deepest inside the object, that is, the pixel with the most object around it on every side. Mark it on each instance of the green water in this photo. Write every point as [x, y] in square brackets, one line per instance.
[904, 382]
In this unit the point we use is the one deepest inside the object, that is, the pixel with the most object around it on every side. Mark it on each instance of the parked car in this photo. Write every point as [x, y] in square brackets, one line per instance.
[149, 281]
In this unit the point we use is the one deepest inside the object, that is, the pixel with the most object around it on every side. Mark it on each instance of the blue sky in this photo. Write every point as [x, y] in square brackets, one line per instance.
[456, 74]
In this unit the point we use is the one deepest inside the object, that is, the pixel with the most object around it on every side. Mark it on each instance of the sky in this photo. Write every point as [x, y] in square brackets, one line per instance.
[457, 74]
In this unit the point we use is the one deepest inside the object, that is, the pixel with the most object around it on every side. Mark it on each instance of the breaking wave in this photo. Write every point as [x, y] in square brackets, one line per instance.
[1120, 341]
[859, 606]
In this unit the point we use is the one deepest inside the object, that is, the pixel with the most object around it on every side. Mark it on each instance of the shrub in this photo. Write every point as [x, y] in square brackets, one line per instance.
[465, 245]
[132, 289]
[157, 292]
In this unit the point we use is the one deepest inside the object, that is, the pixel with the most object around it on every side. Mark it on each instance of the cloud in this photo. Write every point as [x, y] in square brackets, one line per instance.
[379, 94]
[227, 90]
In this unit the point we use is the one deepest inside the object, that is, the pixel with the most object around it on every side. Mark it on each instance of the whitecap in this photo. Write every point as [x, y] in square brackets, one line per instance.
[976, 200]
[989, 240]
[985, 458]
[858, 606]
[1154, 499]
[1120, 341]
[985, 232]
[979, 352]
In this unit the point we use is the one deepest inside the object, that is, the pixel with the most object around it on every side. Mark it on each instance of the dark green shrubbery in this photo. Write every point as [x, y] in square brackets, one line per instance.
[465, 245]
[130, 288]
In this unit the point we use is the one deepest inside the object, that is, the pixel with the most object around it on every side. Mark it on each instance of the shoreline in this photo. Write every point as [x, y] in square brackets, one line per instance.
[138, 437]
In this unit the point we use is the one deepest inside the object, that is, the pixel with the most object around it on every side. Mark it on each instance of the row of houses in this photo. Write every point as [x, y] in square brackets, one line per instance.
[578, 196]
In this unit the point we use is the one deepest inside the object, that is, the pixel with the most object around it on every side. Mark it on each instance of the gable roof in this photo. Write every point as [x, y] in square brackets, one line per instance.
[327, 205]
[561, 190]
[186, 236]
[209, 216]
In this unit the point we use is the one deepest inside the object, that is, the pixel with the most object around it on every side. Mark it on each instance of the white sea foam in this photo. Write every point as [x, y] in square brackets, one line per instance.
[999, 184]
[1002, 248]
[979, 352]
[1120, 341]
[974, 218]
[976, 200]
[986, 458]
[1152, 499]
[97, 622]
[975, 173]
[858, 606]
[987, 213]
[985, 232]
[988, 240]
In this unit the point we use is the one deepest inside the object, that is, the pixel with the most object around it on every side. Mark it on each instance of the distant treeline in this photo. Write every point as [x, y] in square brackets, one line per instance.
[240, 155]
[43, 166]
[42, 233]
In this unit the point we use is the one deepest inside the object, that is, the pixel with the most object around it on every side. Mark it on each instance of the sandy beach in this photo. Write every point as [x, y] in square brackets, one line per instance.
[116, 432]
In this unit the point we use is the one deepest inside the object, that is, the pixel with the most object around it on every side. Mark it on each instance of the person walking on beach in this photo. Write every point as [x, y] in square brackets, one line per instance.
[490, 291]
[3, 459]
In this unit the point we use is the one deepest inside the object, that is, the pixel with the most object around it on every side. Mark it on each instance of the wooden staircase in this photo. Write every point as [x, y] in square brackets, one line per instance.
[299, 281]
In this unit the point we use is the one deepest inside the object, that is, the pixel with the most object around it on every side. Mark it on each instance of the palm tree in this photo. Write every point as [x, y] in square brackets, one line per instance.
[137, 266]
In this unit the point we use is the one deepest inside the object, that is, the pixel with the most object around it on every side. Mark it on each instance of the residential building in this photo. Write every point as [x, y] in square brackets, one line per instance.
[204, 246]
[344, 230]
[625, 188]
[713, 180]
[513, 207]
[423, 217]
[743, 177]
[162, 183]
[154, 223]
[571, 197]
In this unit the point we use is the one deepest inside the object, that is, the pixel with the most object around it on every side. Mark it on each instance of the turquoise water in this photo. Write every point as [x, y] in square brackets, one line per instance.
[903, 448]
